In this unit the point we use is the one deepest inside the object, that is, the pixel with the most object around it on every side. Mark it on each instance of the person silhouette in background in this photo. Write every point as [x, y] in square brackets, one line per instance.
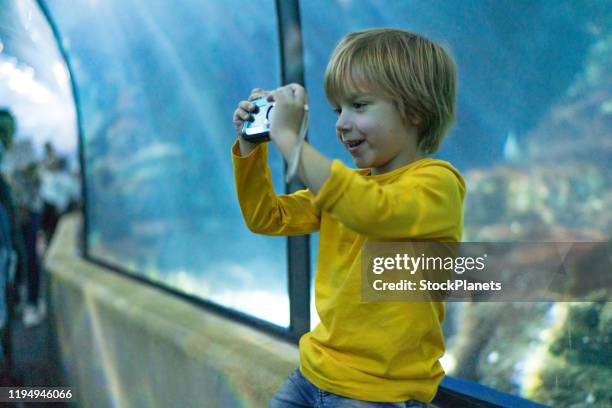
[59, 190]
[21, 167]
[10, 245]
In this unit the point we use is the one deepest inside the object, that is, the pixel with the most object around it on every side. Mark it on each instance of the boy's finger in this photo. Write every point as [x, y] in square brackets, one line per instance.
[294, 86]
[278, 96]
[241, 114]
[299, 93]
[247, 106]
[284, 93]
[237, 115]
[258, 93]
[255, 91]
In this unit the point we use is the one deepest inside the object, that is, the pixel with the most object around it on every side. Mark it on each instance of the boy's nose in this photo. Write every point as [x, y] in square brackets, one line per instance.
[342, 125]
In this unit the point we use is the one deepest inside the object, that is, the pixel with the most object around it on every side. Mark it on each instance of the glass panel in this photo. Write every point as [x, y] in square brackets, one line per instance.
[34, 81]
[158, 84]
[534, 78]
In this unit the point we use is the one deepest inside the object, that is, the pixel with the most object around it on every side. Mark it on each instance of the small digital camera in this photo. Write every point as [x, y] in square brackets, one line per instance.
[257, 128]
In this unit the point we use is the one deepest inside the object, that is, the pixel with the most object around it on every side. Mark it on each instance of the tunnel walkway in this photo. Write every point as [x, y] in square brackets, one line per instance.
[36, 361]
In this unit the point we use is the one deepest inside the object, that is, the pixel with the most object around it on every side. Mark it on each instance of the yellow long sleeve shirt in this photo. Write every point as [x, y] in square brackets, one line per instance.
[379, 351]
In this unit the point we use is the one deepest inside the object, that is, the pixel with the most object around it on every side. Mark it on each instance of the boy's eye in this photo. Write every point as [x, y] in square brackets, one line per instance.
[359, 105]
[338, 111]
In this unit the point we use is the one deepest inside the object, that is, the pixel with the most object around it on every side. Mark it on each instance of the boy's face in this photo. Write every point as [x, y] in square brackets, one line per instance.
[371, 129]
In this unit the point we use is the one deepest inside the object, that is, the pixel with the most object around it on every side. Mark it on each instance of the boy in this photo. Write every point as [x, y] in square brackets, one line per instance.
[394, 92]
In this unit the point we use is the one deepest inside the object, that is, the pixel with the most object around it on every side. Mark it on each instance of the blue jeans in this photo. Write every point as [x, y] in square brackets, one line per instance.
[297, 391]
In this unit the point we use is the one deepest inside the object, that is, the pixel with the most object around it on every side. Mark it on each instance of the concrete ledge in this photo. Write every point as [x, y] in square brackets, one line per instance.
[127, 344]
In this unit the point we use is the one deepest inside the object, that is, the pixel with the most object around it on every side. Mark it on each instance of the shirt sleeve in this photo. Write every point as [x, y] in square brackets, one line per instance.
[263, 210]
[426, 203]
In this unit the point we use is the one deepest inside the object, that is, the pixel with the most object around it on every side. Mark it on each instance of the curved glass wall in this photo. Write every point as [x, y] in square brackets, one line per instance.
[532, 139]
[158, 83]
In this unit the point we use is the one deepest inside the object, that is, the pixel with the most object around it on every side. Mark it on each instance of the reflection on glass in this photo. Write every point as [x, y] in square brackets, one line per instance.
[532, 140]
[158, 85]
[34, 81]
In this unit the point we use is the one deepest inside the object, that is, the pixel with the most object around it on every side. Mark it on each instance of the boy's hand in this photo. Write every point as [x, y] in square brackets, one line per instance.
[287, 115]
[242, 113]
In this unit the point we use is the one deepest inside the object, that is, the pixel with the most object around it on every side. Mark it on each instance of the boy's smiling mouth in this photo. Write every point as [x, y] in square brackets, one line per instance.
[353, 143]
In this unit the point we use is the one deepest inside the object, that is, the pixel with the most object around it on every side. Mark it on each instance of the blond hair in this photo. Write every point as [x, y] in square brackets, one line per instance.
[417, 74]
